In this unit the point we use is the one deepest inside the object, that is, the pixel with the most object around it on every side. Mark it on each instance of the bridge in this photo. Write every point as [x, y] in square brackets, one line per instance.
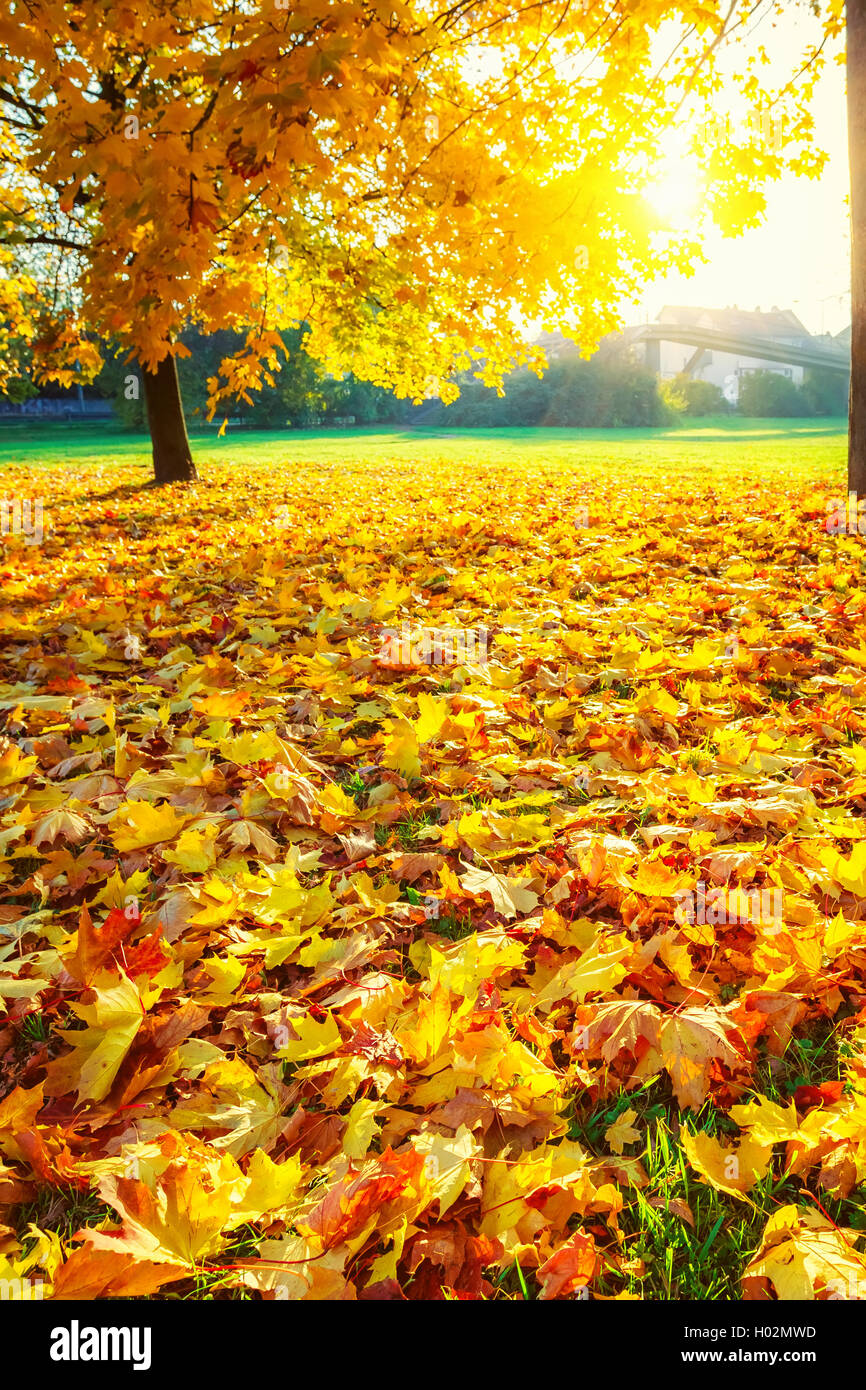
[803, 354]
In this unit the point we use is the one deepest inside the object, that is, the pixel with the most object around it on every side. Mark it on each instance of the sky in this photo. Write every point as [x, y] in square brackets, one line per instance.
[799, 258]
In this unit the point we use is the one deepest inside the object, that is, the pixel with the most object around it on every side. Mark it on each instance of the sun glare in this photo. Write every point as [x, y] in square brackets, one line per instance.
[676, 194]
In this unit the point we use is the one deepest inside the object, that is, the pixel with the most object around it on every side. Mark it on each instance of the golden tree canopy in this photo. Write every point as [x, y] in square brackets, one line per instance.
[415, 183]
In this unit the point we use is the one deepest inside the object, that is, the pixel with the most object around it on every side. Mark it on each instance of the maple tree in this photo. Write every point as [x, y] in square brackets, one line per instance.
[414, 183]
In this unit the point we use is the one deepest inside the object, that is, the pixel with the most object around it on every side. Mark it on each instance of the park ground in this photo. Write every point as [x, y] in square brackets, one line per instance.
[344, 956]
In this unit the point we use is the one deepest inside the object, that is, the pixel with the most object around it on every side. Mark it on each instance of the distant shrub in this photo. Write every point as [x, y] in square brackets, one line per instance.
[769, 395]
[689, 396]
[826, 393]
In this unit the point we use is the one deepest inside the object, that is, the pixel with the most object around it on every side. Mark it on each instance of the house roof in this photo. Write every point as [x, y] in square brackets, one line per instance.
[775, 323]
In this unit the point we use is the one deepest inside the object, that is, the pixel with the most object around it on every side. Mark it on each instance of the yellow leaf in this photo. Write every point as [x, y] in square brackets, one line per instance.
[195, 850]
[311, 1039]
[599, 969]
[224, 704]
[225, 977]
[361, 1127]
[621, 1132]
[14, 766]
[138, 824]
[113, 1021]
[729, 1168]
[401, 748]
[431, 717]
[689, 1042]
[802, 1253]
[509, 896]
[767, 1121]
[271, 1187]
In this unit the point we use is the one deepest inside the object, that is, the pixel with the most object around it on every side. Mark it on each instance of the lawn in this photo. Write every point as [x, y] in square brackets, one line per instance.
[816, 446]
[378, 817]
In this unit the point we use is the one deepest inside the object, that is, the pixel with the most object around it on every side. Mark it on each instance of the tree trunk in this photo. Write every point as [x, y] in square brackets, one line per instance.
[172, 456]
[856, 72]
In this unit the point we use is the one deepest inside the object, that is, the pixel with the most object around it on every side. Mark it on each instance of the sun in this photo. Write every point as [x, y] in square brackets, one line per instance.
[676, 193]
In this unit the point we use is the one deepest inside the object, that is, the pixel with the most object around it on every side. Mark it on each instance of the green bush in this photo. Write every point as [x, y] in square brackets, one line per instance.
[689, 396]
[769, 395]
[826, 392]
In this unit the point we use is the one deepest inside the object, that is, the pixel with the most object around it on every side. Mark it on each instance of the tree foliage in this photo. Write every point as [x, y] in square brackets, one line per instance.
[412, 182]
[690, 396]
[770, 395]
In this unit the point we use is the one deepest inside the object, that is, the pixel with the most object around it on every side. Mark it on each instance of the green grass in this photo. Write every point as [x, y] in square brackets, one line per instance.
[816, 446]
[409, 829]
[62, 1210]
[672, 1259]
[451, 926]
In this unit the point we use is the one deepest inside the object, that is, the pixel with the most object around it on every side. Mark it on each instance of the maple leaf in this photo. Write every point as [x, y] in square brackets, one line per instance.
[203, 214]
[509, 896]
[801, 1254]
[411, 867]
[570, 1267]
[146, 957]
[179, 1222]
[93, 1273]
[675, 1205]
[733, 1169]
[294, 1268]
[350, 1207]
[622, 1132]
[447, 1256]
[61, 824]
[231, 1098]
[361, 1127]
[13, 987]
[447, 1163]
[18, 1113]
[15, 766]
[98, 1051]
[620, 1025]
[138, 825]
[805, 1097]
[312, 1038]
[767, 1121]
[94, 945]
[177, 1217]
[656, 880]
[599, 968]
[689, 1042]
[401, 748]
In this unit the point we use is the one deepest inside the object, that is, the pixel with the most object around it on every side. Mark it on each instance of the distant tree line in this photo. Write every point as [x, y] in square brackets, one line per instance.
[302, 394]
[611, 391]
[762, 395]
[606, 392]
